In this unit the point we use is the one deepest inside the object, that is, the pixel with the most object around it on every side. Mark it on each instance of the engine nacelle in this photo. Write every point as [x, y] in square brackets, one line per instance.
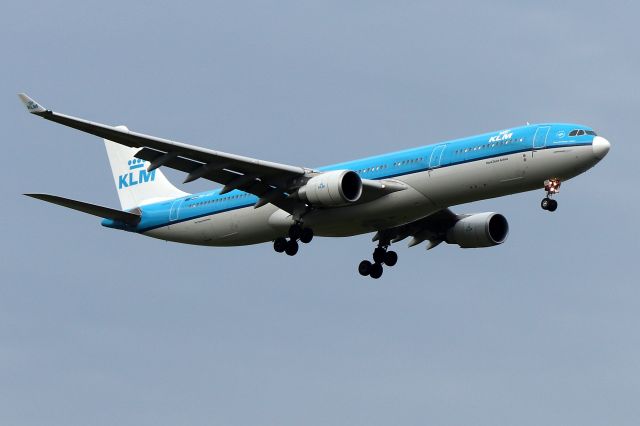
[332, 188]
[479, 230]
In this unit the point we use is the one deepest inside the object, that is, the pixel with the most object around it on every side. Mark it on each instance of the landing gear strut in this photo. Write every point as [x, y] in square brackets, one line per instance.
[380, 256]
[290, 246]
[552, 186]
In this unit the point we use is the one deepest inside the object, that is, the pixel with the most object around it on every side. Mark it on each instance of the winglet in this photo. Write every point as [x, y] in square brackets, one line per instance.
[32, 106]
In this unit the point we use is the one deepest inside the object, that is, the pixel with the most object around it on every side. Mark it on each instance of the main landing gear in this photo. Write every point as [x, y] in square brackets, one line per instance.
[291, 246]
[380, 256]
[552, 186]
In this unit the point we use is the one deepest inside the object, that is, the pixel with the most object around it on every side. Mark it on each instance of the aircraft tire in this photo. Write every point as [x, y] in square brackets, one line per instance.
[295, 231]
[292, 248]
[376, 271]
[306, 235]
[280, 245]
[364, 268]
[390, 258]
[379, 254]
[545, 203]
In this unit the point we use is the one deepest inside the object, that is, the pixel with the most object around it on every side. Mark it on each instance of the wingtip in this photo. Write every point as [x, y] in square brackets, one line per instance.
[37, 196]
[31, 105]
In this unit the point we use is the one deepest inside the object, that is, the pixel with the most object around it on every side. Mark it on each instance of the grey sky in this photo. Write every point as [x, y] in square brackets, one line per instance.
[99, 327]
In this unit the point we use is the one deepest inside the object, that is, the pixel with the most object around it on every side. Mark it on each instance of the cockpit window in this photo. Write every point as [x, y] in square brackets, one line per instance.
[579, 132]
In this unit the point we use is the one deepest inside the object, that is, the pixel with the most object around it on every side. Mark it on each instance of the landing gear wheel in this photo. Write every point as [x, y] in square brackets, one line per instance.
[306, 235]
[295, 231]
[376, 271]
[292, 248]
[390, 258]
[545, 203]
[280, 245]
[364, 268]
[379, 255]
[553, 205]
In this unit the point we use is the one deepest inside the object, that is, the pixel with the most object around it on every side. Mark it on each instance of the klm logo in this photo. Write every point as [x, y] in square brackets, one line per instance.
[32, 105]
[503, 136]
[322, 185]
[137, 174]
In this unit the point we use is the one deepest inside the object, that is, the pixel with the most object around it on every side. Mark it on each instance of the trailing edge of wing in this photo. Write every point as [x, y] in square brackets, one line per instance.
[105, 212]
[432, 228]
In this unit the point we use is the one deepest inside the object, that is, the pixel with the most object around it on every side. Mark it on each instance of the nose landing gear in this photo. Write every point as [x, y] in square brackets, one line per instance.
[552, 186]
[380, 256]
[291, 246]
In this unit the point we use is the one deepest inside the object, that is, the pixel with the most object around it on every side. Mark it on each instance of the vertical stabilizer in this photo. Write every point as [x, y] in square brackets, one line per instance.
[134, 184]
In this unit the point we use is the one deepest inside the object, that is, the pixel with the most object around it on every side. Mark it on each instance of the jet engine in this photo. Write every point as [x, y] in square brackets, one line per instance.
[334, 188]
[479, 230]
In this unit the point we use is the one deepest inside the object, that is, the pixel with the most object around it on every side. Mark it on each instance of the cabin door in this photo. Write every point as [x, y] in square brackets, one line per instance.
[436, 156]
[175, 209]
[540, 138]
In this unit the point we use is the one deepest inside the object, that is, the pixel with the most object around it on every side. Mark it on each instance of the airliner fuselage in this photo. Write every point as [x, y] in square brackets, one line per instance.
[436, 177]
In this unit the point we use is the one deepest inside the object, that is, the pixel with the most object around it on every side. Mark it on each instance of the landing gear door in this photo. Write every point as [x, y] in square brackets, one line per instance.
[540, 137]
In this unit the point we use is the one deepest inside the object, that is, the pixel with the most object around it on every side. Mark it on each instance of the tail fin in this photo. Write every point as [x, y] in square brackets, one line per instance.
[135, 185]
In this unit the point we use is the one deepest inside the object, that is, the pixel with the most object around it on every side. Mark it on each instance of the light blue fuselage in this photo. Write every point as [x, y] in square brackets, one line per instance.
[485, 152]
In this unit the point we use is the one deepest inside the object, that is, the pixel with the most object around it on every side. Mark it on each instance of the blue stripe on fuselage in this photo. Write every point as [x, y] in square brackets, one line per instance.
[390, 165]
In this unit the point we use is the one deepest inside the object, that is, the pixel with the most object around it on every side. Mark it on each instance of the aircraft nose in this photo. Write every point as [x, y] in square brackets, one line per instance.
[600, 147]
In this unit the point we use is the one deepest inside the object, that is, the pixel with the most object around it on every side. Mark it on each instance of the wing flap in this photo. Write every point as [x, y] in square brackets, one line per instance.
[272, 190]
[432, 228]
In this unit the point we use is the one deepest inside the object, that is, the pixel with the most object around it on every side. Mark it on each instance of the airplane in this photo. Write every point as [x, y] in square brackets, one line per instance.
[399, 195]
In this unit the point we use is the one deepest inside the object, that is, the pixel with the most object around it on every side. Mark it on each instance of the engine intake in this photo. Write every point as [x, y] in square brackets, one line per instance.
[332, 188]
[479, 230]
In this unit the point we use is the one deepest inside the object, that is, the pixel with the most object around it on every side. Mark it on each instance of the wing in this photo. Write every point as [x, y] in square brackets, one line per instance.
[270, 182]
[432, 228]
[265, 179]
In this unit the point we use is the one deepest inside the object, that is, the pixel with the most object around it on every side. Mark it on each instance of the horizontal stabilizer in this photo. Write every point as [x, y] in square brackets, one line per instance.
[100, 211]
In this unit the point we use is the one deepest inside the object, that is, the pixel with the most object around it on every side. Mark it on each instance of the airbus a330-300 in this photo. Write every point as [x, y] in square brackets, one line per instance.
[396, 196]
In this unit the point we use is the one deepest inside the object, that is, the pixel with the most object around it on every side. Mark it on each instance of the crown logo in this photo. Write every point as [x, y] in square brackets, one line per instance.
[132, 177]
[136, 163]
